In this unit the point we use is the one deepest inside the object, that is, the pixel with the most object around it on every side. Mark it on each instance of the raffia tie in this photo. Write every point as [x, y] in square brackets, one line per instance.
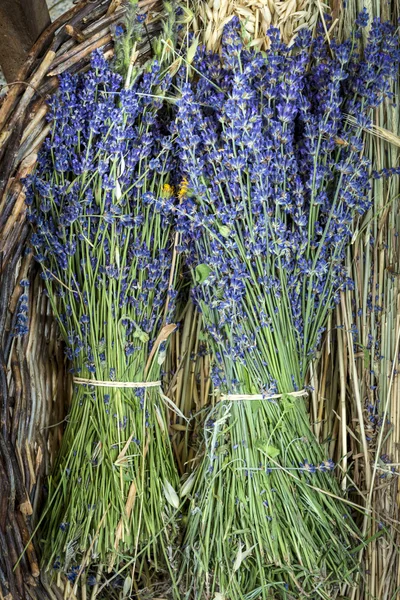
[254, 397]
[131, 384]
[116, 384]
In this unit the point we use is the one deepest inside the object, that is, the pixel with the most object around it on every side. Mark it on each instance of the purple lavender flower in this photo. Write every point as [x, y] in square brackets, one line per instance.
[101, 205]
[270, 148]
[276, 176]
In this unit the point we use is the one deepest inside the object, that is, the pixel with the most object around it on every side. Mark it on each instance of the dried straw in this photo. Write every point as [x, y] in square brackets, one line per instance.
[207, 19]
[358, 392]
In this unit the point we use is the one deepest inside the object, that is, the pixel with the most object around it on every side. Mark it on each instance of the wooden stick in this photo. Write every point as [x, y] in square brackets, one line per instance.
[30, 90]
[80, 55]
[75, 33]
[78, 48]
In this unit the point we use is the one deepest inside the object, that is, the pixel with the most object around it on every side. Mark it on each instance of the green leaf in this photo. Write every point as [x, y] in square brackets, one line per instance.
[241, 556]
[367, 358]
[202, 272]
[171, 495]
[224, 231]
[192, 51]
[88, 449]
[222, 449]
[127, 587]
[271, 451]
[142, 335]
[188, 485]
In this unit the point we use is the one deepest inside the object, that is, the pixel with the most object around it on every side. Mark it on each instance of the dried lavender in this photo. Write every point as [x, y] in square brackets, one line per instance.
[271, 150]
[101, 207]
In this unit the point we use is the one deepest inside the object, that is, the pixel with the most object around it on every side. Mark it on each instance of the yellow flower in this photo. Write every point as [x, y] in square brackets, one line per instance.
[183, 188]
[167, 190]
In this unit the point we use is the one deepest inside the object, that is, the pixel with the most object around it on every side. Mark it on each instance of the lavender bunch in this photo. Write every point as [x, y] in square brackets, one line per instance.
[275, 182]
[101, 208]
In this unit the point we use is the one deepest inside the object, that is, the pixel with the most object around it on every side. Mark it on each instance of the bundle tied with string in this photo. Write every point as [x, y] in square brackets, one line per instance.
[256, 397]
[100, 206]
[276, 179]
[117, 384]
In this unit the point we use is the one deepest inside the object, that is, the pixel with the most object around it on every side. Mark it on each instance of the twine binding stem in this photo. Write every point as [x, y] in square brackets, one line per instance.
[116, 384]
[132, 384]
[254, 397]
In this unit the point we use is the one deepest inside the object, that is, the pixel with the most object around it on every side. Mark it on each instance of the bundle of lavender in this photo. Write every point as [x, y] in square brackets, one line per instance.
[100, 205]
[275, 183]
